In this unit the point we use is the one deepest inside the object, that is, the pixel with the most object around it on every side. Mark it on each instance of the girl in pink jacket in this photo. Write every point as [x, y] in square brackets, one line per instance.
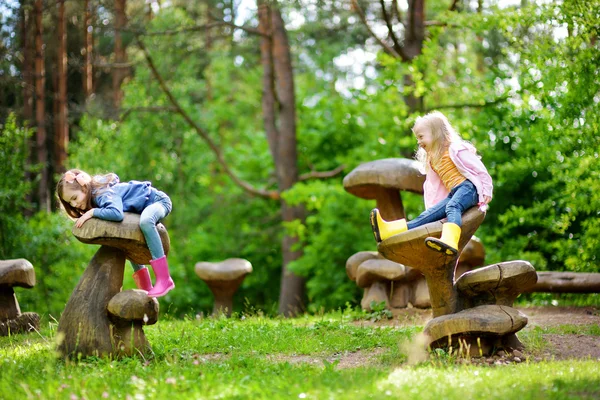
[456, 181]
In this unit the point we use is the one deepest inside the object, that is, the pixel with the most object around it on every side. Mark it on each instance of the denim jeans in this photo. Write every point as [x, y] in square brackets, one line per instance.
[461, 198]
[151, 216]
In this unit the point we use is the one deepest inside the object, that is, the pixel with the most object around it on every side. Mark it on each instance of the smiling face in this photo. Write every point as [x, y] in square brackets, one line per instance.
[76, 198]
[424, 137]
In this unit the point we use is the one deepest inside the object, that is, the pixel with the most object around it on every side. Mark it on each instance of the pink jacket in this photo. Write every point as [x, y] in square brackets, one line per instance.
[464, 156]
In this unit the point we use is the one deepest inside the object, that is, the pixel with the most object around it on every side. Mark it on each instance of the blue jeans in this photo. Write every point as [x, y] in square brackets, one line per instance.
[151, 216]
[461, 198]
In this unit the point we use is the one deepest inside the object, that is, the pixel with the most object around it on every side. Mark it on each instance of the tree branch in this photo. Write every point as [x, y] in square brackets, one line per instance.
[130, 110]
[453, 5]
[195, 28]
[201, 132]
[388, 23]
[322, 174]
[385, 46]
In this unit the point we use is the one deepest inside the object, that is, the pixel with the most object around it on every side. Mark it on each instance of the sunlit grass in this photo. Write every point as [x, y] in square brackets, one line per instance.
[256, 357]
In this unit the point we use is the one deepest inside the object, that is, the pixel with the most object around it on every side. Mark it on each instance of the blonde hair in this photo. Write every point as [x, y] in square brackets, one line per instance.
[89, 185]
[442, 135]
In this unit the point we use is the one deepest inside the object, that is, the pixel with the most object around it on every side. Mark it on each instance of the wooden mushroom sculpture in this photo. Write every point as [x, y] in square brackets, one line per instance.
[409, 248]
[129, 311]
[223, 279]
[382, 180]
[13, 273]
[85, 327]
[375, 276]
[480, 329]
[496, 284]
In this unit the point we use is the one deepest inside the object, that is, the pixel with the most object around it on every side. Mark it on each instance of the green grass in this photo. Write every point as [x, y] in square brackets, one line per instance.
[257, 357]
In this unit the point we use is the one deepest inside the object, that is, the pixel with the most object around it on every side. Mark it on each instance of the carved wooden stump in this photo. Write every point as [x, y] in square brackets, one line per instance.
[13, 273]
[89, 325]
[409, 248]
[476, 331]
[497, 284]
[223, 279]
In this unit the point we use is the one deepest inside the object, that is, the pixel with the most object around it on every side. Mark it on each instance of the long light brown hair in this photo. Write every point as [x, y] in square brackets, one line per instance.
[87, 184]
[442, 135]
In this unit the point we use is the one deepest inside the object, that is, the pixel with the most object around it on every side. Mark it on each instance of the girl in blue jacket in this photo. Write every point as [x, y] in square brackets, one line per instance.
[104, 197]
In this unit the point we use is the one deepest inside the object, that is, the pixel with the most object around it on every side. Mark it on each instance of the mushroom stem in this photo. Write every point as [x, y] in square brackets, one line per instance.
[223, 304]
[389, 203]
[442, 292]
[9, 306]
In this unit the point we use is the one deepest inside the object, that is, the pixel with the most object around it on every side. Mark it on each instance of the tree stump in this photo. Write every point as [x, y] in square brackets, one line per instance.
[87, 327]
[13, 273]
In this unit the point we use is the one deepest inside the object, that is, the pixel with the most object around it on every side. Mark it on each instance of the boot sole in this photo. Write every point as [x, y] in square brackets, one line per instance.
[375, 226]
[440, 247]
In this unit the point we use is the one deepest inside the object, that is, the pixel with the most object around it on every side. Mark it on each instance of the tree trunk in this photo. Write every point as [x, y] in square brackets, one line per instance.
[61, 136]
[413, 46]
[119, 70]
[28, 86]
[28, 91]
[88, 49]
[40, 113]
[278, 84]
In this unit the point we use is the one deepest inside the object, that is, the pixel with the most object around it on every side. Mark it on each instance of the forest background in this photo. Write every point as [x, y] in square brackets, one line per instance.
[249, 115]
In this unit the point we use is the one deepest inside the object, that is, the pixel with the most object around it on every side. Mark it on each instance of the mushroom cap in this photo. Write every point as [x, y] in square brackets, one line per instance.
[408, 248]
[473, 254]
[378, 270]
[358, 258]
[365, 180]
[125, 235]
[18, 272]
[227, 270]
[487, 320]
[504, 281]
[134, 305]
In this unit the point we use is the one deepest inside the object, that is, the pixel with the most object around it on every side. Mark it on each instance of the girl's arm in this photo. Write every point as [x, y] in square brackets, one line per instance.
[471, 161]
[110, 207]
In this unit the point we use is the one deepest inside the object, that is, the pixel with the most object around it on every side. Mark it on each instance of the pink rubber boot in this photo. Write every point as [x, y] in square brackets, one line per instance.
[164, 283]
[142, 279]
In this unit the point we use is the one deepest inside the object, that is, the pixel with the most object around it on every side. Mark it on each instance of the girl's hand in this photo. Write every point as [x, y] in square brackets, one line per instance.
[487, 199]
[81, 220]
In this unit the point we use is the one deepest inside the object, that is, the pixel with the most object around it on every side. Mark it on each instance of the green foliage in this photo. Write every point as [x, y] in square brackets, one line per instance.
[43, 239]
[14, 188]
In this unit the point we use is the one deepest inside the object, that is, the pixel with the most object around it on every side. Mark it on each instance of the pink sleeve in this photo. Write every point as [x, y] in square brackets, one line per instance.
[473, 163]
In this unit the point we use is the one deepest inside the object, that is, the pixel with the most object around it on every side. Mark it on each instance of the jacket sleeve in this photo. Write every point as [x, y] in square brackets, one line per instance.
[110, 207]
[473, 163]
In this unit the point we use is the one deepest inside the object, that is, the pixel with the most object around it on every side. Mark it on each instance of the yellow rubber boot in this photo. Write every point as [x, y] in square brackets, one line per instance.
[448, 243]
[384, 229]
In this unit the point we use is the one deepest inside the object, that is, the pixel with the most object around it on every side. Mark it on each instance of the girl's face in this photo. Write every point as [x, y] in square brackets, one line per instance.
[75, 197]
[424, 137]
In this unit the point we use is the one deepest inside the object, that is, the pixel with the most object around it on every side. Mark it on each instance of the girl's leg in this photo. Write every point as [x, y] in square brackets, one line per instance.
[141, 277]
[462, 199]
[136, 267]
[148, 220]
[432, 214]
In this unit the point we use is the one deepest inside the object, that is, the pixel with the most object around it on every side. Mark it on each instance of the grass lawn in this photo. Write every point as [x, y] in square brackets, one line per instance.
[333, 356]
